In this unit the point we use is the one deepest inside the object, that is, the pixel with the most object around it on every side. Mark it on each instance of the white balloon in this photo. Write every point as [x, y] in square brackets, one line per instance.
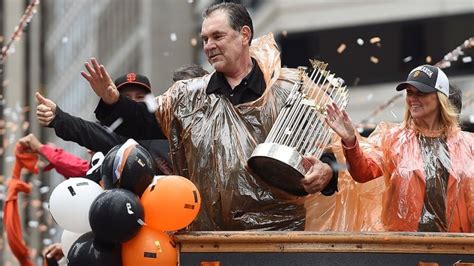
[67, 239]
[70, 202]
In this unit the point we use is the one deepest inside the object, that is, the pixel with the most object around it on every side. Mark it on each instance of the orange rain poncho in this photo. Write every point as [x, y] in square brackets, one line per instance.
[211, 140]
[408, 166]
[11, 217]
[356, 207]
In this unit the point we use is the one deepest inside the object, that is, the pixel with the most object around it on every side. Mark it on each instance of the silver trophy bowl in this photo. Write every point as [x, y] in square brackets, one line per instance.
[280, 166]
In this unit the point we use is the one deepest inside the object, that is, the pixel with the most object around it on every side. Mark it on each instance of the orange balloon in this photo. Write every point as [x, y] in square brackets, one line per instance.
[171, 203]
[149, 248]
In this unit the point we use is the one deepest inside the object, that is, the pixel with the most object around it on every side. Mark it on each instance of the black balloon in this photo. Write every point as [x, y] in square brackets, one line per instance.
[135, 172]
[88, 251]
[116, 215]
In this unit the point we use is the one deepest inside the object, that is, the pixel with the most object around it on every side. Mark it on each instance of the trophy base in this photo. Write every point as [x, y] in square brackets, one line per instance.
[279, 166]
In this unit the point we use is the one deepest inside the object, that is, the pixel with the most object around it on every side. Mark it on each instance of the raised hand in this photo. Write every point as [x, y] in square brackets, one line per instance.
[341, 123]
[45, 111]
[101, 82]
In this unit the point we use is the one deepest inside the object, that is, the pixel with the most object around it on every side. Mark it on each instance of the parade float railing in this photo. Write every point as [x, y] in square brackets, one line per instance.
[323, 248]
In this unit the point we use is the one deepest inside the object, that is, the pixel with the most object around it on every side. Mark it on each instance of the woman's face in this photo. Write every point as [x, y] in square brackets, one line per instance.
[422, 105]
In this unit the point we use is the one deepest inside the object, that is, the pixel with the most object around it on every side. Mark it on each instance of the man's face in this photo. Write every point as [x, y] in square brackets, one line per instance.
[223, 45]
[134, 93]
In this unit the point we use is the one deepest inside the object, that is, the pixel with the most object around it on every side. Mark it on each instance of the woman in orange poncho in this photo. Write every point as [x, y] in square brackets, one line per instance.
[427, 161]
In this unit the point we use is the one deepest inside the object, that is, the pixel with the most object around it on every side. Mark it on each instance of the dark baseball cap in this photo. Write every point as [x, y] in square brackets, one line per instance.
[427, 78]
[135, 79]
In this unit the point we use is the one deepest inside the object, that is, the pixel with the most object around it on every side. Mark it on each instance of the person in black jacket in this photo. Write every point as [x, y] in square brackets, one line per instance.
[97, 137]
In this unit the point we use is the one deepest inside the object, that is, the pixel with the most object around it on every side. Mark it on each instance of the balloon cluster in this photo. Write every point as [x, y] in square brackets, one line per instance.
[128, 223]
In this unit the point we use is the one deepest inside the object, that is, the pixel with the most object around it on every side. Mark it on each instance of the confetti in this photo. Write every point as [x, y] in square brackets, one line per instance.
[471, 119]
[284, 33]
[47, 241]
[467, 59]
[374, 60]
[173, 37]
[33, 224]
[370, 96]
[374, 40]
[407, 59]
[393, 114]
[360, 41]
[44, 190]
[428, 59]
[64, 39]
[190, 1]
[341, 48]
[193, 42]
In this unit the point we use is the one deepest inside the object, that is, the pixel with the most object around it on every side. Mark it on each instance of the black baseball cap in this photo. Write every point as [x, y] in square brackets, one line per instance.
[135, 79]
[427, 78]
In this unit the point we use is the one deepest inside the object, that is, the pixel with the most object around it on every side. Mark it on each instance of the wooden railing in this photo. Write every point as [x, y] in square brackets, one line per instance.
[278, 248]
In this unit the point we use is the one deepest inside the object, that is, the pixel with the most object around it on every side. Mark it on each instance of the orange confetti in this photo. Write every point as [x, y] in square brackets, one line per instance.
[341, 48]
[194, 41]
[374, 60]
[374, 40]
[428, 59]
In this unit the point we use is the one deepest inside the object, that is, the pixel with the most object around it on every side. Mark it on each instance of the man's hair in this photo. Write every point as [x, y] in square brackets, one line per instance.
[188, 72]
[237, 16]
[455, 96]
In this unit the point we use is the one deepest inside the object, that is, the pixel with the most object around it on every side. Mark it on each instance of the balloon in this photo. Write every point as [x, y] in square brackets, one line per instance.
[70, 201]
[171, 203]
[116, 215]
[86, 251]
[148, 248]
[67, 239]
[129, 166]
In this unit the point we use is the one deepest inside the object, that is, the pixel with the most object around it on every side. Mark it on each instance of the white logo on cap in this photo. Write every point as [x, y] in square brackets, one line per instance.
[425, 70]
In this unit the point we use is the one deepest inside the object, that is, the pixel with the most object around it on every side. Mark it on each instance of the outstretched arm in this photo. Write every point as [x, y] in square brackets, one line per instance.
[361, 167]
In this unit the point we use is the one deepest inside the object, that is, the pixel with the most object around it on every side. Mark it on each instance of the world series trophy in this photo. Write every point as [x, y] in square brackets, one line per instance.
[299, 129]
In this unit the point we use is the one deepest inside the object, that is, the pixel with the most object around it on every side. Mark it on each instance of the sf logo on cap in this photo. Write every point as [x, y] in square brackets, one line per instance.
[131, 77]
[416, 74]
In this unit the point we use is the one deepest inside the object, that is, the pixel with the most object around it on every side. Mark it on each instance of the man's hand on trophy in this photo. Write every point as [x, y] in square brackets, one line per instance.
[318, 175]
[341, 123]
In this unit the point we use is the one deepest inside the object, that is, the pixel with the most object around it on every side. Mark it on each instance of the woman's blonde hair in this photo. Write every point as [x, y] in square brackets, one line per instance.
[448, 118]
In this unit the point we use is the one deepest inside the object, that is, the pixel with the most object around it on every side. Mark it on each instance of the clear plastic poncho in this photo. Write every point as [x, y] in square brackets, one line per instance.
[428, 184]
[211, 140]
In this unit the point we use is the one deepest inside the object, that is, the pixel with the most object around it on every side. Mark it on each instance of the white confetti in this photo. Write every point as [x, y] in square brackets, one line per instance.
[150, 103]
[370, 96]
[47, 241]
[407, 59]
[53, 231]
[467, 59]
[360, 41]
[64, 39]
[44, 189]
[393, 114]
[45, 205]
[190, 1]
[173, 37]
[33, 224]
